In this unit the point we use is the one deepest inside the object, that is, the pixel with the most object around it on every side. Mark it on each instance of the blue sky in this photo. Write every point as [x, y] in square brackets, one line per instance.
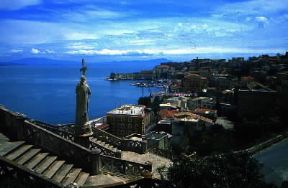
[134, 29]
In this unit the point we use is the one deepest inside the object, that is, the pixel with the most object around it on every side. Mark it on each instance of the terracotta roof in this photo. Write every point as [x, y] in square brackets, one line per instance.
[190, 115]
[166, 114]
[204, 110]
[247, 78]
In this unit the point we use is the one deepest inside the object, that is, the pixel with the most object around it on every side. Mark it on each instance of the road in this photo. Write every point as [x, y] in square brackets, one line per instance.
[275, 161]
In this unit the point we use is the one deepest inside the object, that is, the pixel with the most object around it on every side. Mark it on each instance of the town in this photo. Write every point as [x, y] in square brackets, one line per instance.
[211, 112]
[211, 105]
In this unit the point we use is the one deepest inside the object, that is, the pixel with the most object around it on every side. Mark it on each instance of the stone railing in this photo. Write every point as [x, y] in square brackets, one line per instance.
[17, 127]
[107, 137]
[117, 166]
[134, 145]
[104, 150]
[67, 132]
[120, 143]
[261, 146]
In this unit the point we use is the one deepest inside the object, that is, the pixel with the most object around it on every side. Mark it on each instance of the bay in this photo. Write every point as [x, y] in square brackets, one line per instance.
[46, 92]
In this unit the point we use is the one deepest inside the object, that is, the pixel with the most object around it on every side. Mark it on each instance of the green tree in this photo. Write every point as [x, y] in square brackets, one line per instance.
[144, 101]
[112, 75]
[217, 171]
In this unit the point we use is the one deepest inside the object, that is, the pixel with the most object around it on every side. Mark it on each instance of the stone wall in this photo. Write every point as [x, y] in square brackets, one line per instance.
[17, 127]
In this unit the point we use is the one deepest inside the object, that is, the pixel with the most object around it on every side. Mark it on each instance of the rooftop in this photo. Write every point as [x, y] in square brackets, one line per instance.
[157, 135]
[167, 105]
[189, 116]
[129, 110]
[166, 114]
[204, 110]
[201, 98]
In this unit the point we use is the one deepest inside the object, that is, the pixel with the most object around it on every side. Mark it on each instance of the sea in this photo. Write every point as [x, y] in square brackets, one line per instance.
[46, 91]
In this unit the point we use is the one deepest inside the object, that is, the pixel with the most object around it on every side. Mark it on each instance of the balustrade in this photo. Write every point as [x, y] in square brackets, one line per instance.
[116, 166]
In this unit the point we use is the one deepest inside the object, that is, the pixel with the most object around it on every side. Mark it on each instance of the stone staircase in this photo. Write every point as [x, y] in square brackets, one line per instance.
[44, 164]
[67, 133]
[104, 144]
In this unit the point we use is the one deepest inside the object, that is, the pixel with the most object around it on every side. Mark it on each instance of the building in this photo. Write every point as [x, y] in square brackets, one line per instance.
[180, 102]
[163, 71]
[206, 112]
[128, 119]
[158, 140]
[167, 106]
[201, 102]
[222, 81]
[164, 125]
[253, 103]
[194, 83]
[185, 126]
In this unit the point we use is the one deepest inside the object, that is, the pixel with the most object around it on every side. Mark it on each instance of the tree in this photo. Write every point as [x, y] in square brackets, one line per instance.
[113, 75]
[144, 101]
[217, 171]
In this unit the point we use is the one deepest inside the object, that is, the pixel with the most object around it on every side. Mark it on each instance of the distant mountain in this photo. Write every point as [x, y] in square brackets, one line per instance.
[36, 61]
[160, 60]
[47, 61]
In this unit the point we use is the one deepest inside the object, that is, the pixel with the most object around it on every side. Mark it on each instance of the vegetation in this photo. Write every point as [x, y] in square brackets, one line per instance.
[215, 140]
[217, 171]
[145, 101]
[112, 75]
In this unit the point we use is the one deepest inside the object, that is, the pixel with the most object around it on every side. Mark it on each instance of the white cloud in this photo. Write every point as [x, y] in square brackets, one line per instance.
[35, 51]
[49, 51]
[253, 7]
[98, 52]
[16, 51]
[92, 14]
[17, 4]
[262, 20]
[81, 45]
[178, 51]
[75, 35]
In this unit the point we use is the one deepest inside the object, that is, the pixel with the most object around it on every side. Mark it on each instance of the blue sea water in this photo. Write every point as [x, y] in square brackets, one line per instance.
[46, 92]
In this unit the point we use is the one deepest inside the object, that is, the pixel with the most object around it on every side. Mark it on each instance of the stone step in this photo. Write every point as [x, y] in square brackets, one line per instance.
[35, 160]
[62, 172]
[26, 156]
[45, 163]
[9, 147]
[102, 143]
[18, 152]
[53, 168]
[99, 142]
[3, 138]
[81, 179]
[93, 139]
[71, 176]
